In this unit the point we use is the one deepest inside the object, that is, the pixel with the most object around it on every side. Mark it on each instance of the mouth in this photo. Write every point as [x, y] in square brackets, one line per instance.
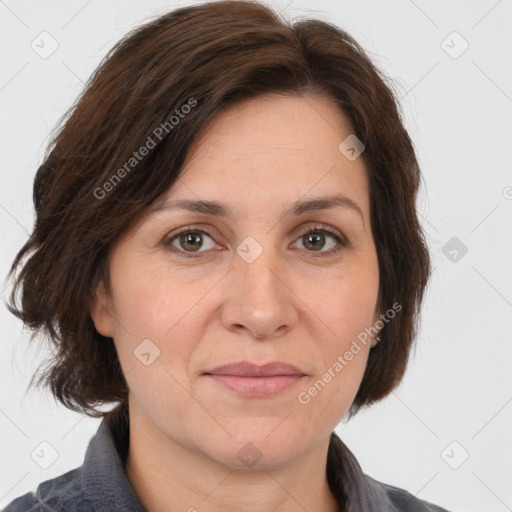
[256, 381]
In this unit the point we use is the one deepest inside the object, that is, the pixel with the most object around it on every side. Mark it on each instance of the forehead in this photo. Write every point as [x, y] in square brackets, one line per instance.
[297, 128]
[265, 155]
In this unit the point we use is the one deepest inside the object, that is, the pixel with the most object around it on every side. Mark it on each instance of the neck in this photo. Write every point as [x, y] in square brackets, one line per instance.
[169, 477]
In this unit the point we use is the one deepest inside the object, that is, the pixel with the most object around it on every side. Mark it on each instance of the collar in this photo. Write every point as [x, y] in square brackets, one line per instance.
[104, 480]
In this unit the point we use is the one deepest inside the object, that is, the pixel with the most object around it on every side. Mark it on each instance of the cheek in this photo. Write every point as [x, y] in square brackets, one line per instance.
[150, 299]
[154, 315]
[347, 308]
[346, 301]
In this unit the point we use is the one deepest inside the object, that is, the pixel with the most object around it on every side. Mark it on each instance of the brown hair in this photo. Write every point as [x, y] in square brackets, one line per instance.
[90, 187]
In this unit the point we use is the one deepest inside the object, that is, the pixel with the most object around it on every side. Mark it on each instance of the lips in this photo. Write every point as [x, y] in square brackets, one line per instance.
[247, 369]
[255, 381]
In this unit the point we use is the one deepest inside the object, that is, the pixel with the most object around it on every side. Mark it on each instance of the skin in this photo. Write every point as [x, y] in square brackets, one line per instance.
[290, 304]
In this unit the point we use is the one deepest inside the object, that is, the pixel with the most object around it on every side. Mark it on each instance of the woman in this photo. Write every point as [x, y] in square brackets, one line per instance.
[226, 249]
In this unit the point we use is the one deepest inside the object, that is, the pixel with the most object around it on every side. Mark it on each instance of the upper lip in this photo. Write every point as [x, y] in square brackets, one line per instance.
[248, 369]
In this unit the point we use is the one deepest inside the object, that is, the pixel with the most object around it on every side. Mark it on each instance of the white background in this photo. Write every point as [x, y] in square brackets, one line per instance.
[458, 110]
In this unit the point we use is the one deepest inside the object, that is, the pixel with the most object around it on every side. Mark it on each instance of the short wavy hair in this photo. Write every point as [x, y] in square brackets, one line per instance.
[215, 54]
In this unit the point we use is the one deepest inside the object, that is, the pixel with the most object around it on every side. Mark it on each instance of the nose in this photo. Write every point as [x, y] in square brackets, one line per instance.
[259, 298]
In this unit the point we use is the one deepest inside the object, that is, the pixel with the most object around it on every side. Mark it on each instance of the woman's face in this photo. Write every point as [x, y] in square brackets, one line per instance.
[249, 286]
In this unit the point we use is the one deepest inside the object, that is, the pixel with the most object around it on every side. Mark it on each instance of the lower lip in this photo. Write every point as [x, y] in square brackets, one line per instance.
[257, 386]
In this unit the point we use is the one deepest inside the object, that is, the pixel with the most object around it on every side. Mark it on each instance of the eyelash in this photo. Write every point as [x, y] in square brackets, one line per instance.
[169, 239]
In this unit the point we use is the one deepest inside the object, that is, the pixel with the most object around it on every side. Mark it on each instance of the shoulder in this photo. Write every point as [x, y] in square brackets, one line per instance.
[59, 494]
[404, 501]
[363, 493]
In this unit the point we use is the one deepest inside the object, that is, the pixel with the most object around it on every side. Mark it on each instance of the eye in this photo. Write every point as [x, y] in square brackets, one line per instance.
[189, 240]
[317, 238]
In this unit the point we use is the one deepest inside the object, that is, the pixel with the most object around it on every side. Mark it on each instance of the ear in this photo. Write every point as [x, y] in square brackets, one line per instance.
[100, 311]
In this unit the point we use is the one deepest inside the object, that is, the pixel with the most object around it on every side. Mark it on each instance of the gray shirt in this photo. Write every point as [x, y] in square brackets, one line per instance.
[100, 484]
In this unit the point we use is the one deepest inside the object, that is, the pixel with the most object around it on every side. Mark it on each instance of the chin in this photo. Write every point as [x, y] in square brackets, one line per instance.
[262, 445]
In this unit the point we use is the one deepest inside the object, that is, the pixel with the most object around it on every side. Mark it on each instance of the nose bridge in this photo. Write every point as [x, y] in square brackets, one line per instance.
[259, 276]
[257, 298]
[257, 266]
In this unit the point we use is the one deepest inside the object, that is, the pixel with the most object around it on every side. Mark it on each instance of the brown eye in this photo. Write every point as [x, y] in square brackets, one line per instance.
[314, 241]
[319, 238]
[192, 241]
[189, 241]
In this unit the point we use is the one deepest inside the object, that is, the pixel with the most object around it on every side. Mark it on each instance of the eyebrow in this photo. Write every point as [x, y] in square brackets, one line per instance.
[299, 207]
